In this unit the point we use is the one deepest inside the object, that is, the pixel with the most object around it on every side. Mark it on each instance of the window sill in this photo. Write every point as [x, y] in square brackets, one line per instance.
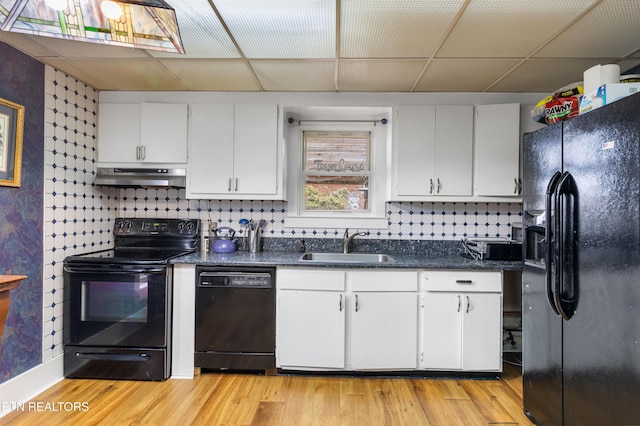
[353, 222]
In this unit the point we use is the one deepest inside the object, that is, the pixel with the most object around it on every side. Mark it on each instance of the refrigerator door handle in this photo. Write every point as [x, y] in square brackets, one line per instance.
[565, 286]
[550, 234]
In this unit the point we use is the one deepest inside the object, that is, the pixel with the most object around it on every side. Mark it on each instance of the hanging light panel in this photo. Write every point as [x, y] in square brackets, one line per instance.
[150, 24]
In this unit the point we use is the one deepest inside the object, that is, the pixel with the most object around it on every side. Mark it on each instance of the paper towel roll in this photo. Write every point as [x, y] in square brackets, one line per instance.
[610, 73]
[598, 75]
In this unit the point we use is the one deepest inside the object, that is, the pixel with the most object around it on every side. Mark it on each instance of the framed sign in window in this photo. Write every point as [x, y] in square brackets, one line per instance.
[11, 131]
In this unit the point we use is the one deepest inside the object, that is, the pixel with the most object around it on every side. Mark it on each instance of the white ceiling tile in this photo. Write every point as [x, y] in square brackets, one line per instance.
[460, 75]
[392, 29]
[611, 29]
[356, 75]
[544, 75]
[202, 33]
[295, 75]
[80, 49]
[508, 28]
[92, 80]
[281, 28]
[213, 74]
[26, 44]
[129, 74]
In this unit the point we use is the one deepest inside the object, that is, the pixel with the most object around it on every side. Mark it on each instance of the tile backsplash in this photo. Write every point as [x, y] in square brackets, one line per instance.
[409, 221]
[78, 217]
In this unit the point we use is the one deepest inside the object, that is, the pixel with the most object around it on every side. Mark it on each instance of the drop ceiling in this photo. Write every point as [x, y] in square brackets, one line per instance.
[363, 46]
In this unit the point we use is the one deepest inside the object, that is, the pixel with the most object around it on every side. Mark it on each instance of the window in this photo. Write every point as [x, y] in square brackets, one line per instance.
[336, 171]
[337, 167]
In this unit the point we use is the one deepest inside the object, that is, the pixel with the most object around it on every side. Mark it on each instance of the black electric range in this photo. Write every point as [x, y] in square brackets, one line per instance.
[117, 305]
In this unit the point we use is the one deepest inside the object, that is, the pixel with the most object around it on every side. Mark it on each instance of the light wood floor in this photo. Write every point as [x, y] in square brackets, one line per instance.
[246, 399]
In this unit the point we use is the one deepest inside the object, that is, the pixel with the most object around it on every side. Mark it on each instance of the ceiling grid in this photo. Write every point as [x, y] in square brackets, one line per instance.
[363, 46]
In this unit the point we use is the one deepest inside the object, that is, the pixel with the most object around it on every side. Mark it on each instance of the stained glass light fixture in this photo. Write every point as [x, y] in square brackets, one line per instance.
[150, 24]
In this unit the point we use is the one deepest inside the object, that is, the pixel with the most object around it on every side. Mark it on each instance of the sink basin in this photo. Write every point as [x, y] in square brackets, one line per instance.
[348, 257]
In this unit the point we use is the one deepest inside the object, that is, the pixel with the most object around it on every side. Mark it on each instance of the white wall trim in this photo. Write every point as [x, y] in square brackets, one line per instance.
[29, 384]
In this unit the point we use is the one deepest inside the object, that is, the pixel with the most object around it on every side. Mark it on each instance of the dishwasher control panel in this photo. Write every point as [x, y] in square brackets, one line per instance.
[235, 279]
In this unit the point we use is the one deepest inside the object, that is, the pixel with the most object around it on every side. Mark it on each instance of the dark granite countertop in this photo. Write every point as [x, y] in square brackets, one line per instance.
[407, 254]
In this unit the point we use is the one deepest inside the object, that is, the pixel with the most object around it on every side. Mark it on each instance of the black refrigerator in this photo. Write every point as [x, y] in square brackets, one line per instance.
[581, 273]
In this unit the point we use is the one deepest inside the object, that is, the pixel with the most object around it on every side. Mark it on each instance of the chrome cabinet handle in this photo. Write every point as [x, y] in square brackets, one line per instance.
[459, 303]
[464, 282]
[138, 152]
[144, 152]
[340, 305]
[236, 186]
[515, 188]
[356, 303]
[431, 186]
[468, 303]
[439, 186]
[229, 185]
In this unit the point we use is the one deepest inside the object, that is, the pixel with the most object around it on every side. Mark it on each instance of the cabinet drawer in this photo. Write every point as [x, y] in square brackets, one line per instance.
[462, 281]
[310, 279]
[376, 280]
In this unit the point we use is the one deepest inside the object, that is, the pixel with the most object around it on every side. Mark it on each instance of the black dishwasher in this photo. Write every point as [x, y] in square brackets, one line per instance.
[235, 318]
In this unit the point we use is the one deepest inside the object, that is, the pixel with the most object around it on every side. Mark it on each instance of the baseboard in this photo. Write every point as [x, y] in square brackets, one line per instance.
[29, 384]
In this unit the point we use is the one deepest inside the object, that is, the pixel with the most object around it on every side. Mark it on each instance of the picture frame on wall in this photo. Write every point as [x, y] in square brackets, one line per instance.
[11, 133]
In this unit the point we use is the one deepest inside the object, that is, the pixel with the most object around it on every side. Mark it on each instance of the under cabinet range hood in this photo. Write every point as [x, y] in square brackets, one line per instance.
[140, 177]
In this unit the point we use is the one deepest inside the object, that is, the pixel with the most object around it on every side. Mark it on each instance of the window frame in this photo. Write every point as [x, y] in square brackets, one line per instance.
[376, 217]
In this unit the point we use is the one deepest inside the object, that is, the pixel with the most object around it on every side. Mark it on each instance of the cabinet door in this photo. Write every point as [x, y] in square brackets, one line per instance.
[256, 149]
[310, 329]
[414, 150]
[453, 152]
[384, 331]
[210, 168]
[482, 332]
[118, 133]
[163, 132]
[498, 150]
[442, 331]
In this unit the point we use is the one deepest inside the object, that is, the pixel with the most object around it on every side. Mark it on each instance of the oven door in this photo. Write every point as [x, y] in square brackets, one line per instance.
[116, 306]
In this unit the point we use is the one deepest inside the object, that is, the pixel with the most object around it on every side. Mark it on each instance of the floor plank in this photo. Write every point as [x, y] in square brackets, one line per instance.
[250, 399]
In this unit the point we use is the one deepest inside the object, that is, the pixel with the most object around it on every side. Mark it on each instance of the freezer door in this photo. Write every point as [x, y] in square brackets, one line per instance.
[601, 347]
[541, 351]
[542, 327]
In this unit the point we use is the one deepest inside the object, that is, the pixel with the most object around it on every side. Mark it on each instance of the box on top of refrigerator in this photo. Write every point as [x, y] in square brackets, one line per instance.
[606, 94]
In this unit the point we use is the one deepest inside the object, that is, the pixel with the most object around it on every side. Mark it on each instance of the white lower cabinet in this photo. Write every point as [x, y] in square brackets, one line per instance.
[331, 319]
[461, 321]
[311, 329]
[388, 319]
[383, 319]
[383, 331]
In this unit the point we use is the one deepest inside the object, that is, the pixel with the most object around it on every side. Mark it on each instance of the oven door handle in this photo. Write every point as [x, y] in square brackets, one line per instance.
[113, 357]
[111, 271]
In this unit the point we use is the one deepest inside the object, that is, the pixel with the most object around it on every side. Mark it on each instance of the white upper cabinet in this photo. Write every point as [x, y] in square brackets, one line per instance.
[433, 153]
[147, 133]
[497, 149]
[235, 152]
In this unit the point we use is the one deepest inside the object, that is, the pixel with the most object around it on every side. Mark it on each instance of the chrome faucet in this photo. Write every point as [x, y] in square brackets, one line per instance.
[346, 239]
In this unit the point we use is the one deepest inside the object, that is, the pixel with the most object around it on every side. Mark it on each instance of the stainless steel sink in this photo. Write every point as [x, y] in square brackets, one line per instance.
[347, 258]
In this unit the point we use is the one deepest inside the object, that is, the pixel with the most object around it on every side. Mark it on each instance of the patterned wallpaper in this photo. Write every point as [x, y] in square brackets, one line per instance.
[78, 217]
[21, 81]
